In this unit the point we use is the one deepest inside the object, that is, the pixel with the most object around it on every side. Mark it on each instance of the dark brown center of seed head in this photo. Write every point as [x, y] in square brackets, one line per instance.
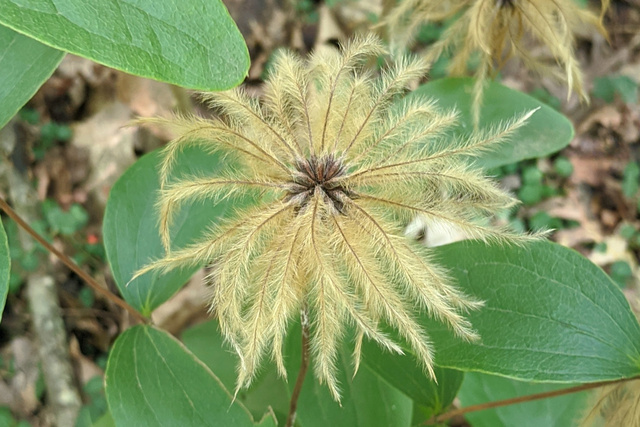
[318, 174]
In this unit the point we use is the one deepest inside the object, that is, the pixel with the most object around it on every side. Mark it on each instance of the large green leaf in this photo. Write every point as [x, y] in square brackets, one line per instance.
[549, 315]
[105, 421]
[25, 65]
[130, 228]
[401, 372]
[5, 268]
[367, 399]
[405, 374]
[546, 132]
[153, 380]
[560, 411]
[191, 43]
[268, 391]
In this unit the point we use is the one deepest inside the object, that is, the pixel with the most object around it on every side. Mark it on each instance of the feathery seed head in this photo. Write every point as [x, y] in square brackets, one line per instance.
[499, 30]
[615, 405]
[340, 167]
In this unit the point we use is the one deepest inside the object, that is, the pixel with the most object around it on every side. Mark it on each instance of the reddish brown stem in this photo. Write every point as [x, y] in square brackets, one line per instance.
[70, 264]
[302, 373]
[521, 399]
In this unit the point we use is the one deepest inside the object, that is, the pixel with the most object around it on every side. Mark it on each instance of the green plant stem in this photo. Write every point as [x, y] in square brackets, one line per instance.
[302, 373]
[70, 264]
[522, 399]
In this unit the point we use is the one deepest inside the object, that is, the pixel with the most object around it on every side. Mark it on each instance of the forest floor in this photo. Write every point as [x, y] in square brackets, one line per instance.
[74, 142]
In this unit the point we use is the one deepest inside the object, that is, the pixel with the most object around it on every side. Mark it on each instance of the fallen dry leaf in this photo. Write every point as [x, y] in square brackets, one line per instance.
[19, 392]
[110, 143]
[85, 367]
[187, 307]
[60, 172]
[589, 170]
[328, 28]
[145, 97]
[617, 250]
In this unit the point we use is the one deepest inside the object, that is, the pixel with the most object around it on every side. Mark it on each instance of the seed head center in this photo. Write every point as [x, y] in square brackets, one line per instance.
[318, 174]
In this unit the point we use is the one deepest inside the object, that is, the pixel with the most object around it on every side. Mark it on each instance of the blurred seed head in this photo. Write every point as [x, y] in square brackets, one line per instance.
[498, 30]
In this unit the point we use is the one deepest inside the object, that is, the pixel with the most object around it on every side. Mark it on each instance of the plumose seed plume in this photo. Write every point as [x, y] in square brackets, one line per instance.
[540, 33]
[337, 163]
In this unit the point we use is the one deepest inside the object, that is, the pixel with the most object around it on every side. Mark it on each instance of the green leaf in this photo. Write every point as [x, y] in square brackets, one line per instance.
[621, 272]
[550, 315]
[405, 374]
[5, 268]
[546, 132]
[153, 380]
[560, 411]
[105, 421]
[84, 418]
[64, 222]
[268, 390]
[543, 95]
[631, 176]
[530, 194]
[6, 418]
[130, 227]
[608, 87]
[25, 65]
[191, 43]
[207, 344]
[563, 166]
[367, 400]
[401, 372]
